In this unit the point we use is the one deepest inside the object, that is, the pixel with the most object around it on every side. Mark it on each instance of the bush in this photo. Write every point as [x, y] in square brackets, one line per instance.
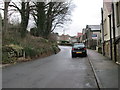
[6, 57]
[32, 47]
[33, 31]
[30, 52]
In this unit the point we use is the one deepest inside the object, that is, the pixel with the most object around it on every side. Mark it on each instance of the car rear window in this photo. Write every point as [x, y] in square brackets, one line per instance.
[80, 45]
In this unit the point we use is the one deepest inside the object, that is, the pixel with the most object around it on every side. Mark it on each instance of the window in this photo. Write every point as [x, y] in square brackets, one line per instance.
[94, 35]
[118, 12]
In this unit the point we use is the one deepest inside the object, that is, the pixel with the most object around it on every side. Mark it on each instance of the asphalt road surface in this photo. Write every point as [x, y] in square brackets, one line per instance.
[56, 71]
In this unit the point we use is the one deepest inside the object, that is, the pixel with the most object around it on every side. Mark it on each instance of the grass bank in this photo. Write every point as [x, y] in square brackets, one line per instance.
[16, 49]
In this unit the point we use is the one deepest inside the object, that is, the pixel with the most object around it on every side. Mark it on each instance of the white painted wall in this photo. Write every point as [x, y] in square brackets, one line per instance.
[106, 23]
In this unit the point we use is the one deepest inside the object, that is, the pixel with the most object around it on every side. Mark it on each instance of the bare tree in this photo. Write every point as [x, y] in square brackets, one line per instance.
[50, 15]
[24, 12]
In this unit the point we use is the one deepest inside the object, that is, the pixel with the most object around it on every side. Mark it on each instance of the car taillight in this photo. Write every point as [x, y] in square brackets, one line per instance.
[84, 48]
[72, 48]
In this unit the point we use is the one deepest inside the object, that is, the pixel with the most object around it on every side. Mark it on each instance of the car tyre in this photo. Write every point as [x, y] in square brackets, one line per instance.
[85, 55]
[73, 56]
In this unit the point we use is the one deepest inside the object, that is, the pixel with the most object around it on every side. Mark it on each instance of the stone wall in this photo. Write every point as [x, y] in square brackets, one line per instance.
[107, 48]
[92, 44]
[118, 52]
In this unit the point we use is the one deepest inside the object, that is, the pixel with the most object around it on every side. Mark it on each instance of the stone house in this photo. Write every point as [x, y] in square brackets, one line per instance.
[79, 37]
[73, 39]
[111, 30]
[0, 31]
[116, 7]
[83, 36]
[91, 36]
[64, 37]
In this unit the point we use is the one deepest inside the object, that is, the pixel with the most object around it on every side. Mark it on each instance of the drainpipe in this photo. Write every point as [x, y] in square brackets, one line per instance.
[103, 49]
[110, 36]
[113, 19]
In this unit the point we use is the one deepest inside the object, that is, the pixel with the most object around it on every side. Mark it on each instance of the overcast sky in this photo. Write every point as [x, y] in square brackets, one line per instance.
[86, 12]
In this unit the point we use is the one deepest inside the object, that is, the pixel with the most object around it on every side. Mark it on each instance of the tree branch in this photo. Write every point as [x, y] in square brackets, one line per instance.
[15, 6]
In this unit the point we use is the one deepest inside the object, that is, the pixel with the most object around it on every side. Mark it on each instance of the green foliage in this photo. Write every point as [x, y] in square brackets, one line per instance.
[30, 52]
[33, 31]
[6, 58]
[33, 47]
[66, 43]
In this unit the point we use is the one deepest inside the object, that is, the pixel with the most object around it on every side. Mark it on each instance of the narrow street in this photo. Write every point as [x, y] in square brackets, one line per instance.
[32, 30]
[56, 71]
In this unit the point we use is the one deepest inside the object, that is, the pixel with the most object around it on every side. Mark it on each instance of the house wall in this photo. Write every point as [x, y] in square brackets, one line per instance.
[106, 31]
[107, 34]
[0, 23]
[117, 32]
[64, 37]
[107, 48]
[93, 43]
[118, 52]
[106, 23]
[117, 27]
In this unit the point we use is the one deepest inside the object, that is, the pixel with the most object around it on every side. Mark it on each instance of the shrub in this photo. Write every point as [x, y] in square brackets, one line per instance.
[30, 52]
[33, 31]
[6, 58]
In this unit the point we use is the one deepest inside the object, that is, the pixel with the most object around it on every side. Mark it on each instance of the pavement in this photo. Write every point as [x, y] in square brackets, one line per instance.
[105, 70]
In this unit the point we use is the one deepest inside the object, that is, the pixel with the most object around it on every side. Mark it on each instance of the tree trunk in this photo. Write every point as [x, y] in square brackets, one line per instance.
[24, 19]
[49, 20]
[5, 27]
[40, 19]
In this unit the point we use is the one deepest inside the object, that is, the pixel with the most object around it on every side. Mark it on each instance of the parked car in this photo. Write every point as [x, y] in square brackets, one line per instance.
[79, 49]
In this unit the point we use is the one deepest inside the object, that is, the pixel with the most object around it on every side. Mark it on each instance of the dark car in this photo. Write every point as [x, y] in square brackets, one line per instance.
[79, 49]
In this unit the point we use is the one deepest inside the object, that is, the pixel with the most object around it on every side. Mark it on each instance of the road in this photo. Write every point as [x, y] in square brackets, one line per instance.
[56, 71]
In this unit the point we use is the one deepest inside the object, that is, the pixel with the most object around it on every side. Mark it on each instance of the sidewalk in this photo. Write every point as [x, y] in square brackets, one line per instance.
[106, 71]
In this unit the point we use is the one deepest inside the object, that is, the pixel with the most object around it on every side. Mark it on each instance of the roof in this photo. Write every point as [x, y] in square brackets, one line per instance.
[93, 27]
[79, 34]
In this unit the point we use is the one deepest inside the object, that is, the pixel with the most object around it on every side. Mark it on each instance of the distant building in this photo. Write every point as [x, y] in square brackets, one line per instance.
[64, 38]
[79, 37]
[91, 36]
[73, 39]
[84, 36]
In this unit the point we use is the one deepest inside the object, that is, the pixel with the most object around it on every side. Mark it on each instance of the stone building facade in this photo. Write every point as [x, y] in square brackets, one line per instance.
[91, 36]
[111, 30]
